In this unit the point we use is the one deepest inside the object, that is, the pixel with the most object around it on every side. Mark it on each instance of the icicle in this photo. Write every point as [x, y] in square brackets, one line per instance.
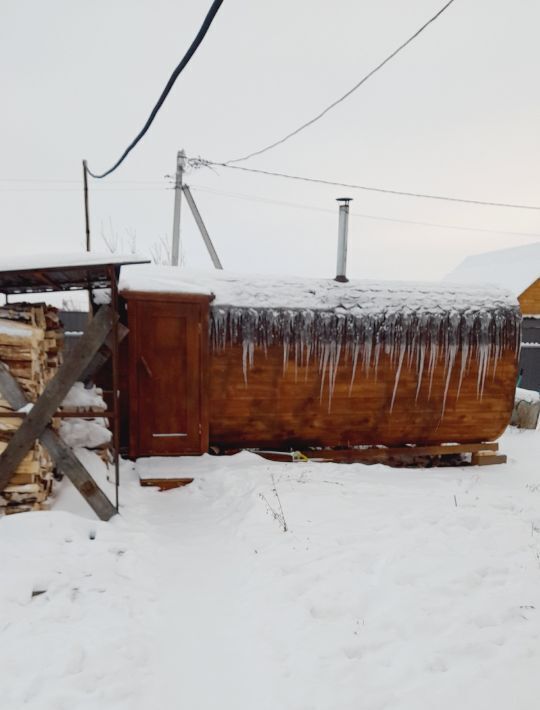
[308, 357]
[245, 349]
[368, 345]
[285, 355]
[398, 374]
[335, 353]
[451, 346]
[418, 339]
[355, 353]
[420, 370]
[322, 368]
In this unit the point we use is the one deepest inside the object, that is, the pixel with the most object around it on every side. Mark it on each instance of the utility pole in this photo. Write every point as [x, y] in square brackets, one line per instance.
[86, 211]
[180, 164]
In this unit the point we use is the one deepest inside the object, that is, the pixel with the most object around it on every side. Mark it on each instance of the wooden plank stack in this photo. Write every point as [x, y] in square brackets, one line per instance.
[31, 341]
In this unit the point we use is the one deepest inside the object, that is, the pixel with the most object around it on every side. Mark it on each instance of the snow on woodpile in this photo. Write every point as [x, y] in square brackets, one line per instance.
[322, 319]
[87, 431]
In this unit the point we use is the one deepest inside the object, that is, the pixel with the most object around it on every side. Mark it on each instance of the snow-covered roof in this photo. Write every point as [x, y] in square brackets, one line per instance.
[514, 269]
[59, 272]
[31, 262]
[249, 291]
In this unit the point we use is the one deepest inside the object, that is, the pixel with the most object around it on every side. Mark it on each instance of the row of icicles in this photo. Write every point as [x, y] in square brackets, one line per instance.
[409, 339]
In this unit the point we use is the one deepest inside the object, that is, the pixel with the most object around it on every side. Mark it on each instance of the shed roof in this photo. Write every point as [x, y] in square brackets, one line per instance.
[514, 269]
[59, 272]
[288, 292]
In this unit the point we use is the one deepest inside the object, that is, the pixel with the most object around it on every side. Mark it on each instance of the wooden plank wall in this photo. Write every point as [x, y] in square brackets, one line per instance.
[277, 410]
[529, 300]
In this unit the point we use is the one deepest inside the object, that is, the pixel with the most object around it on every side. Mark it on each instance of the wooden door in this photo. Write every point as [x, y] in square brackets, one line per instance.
[168, 415]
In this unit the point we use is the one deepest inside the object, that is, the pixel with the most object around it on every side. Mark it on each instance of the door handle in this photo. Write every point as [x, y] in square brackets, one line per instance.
[146, 367]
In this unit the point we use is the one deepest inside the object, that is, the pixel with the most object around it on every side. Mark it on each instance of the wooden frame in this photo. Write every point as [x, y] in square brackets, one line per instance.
[36, 424]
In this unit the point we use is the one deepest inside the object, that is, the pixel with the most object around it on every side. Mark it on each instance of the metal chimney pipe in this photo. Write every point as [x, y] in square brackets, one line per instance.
[343, 234]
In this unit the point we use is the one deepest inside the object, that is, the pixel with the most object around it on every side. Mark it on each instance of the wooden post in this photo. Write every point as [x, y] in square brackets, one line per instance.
[86, 208]
[54, 393]
[115, 383]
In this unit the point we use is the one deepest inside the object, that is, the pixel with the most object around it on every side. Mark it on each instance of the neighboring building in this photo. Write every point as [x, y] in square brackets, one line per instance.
[74, 323]
[516, 269]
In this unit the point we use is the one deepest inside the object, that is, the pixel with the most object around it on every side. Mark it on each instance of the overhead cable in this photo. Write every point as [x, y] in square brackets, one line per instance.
[174, 76]
[362, 215]
[201, 162]
[346, 95]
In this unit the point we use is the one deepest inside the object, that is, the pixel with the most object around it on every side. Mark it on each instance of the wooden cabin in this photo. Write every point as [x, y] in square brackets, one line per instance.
[232, 362]
[517, 270]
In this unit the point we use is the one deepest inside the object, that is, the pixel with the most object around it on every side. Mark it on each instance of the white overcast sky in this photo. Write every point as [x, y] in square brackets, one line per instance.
[457, 113]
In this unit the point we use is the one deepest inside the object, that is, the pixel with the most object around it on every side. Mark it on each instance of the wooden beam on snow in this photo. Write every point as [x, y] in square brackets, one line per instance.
[68, 464]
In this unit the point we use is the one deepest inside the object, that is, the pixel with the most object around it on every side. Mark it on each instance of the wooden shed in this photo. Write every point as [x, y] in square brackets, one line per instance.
[231, 362]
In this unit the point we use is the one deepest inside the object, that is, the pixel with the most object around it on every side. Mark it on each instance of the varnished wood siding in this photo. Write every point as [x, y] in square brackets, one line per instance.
[279, 411]
[276, 410]
[529, 300]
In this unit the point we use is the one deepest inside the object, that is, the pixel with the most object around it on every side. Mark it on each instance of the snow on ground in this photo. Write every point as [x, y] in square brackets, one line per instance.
[392, 588]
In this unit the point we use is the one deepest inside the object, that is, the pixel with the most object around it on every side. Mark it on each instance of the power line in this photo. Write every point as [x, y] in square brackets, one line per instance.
[313, 208]
[78, 189]
[77, 182]
[201, 162]
[346, 95]
[176, 73]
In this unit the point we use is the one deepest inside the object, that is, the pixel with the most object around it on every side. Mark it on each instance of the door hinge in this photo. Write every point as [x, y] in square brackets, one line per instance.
[200, 428]
[200, 328]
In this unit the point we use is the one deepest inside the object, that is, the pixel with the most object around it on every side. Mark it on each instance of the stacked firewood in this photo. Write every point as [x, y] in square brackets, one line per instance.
[31, 341]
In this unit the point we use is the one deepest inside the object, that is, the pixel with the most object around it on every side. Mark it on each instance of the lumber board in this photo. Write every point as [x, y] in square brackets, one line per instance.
[380, 454]
[62, 455]
[401, 451]
[487, 458]
[165, 484]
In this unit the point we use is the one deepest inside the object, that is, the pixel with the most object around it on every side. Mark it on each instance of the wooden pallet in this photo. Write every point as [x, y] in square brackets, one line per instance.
[482, 454]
